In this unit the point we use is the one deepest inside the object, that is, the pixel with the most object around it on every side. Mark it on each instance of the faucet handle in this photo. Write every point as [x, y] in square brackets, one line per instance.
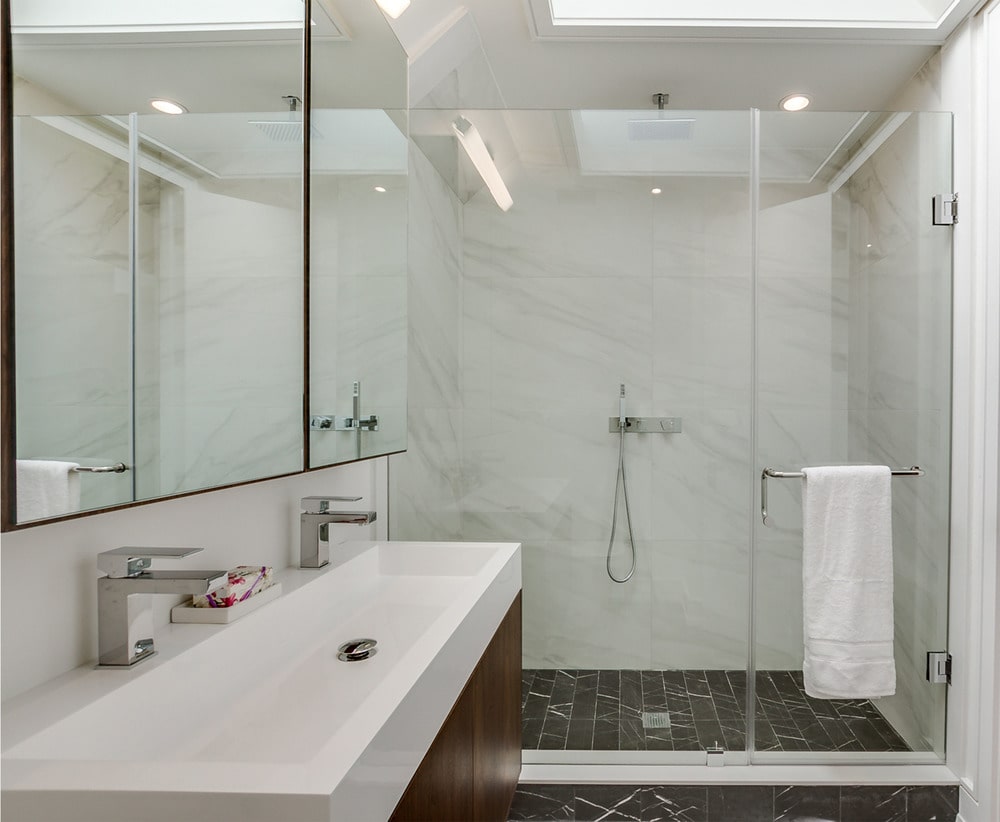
[129, 561]
[321, 505]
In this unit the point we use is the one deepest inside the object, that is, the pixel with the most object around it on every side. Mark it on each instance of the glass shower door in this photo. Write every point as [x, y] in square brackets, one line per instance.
[853, 316]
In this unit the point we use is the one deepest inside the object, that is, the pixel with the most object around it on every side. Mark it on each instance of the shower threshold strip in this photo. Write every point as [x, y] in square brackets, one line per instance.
[692, 710]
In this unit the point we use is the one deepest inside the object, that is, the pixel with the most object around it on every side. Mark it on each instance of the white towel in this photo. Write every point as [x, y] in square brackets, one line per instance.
[46, 488]
[847, 582]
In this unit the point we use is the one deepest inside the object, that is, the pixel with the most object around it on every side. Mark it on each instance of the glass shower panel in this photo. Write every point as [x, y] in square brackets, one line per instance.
[853, 299]
[698, 550]
[624, 260]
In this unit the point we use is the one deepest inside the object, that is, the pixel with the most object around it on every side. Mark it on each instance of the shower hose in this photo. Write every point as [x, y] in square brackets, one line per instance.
[621, 487]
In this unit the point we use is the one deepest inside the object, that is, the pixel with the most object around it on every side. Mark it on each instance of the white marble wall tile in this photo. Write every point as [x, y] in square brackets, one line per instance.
[778, 595]
[477, 340]
[700, 476]
[802, 342]
[563, 344]
[435, 289]
[795, 239]
[886, 190]
[701, 228]
[575, 616]
[372, 226]
[206, 445]
[223, 342]
[788, 440]
[428, 480]
[700, 602]
[70, 195]
[562, 225]
[701, 343]
[552, 476]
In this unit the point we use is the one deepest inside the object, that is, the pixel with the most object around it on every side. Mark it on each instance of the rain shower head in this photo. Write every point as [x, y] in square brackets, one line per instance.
[288, 130]
[660, 127]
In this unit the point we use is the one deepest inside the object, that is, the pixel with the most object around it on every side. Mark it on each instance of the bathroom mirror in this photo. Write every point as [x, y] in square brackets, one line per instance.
[157, 256]
[161, 339]
[358, 242]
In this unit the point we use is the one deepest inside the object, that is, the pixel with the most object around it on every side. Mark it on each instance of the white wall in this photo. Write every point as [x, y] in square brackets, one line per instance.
[49, 596]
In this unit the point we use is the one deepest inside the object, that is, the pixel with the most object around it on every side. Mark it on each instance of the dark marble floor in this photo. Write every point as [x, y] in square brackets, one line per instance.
[604, 711]
[735, 803]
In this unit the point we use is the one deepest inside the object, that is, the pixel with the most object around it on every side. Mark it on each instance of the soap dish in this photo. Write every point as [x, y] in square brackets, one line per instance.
[222, 616]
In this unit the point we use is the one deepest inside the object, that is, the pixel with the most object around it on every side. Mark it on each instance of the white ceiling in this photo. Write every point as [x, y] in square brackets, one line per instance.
[609, 71]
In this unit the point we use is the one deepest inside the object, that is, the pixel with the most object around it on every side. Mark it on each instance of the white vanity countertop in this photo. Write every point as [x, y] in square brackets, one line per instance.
[258, 720]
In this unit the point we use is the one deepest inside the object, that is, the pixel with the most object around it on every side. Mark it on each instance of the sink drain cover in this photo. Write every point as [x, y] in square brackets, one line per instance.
[357, 649]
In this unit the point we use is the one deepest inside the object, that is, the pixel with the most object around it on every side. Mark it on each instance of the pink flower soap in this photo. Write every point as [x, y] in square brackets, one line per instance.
[244, 582]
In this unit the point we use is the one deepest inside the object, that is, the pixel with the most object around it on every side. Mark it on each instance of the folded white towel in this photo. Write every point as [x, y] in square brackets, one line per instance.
[847, 582]
[46, 488]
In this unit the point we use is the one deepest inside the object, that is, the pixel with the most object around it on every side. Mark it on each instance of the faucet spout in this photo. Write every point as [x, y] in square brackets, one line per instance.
[316, 517]
[124, 604]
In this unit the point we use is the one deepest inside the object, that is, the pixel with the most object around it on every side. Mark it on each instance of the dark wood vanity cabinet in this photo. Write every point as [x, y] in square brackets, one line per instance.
[471, 769]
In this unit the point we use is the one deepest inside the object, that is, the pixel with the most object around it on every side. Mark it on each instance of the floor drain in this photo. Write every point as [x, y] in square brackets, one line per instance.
[655, 720]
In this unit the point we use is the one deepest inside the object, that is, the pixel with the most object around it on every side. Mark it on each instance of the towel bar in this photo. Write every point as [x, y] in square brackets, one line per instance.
[912, 471]
[117, 468]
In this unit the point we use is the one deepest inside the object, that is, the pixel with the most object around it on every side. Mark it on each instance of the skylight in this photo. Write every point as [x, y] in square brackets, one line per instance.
[921, 20]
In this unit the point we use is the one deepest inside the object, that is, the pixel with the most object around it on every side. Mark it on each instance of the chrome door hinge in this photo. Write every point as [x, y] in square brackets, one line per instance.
[939, 667]
[945, 209]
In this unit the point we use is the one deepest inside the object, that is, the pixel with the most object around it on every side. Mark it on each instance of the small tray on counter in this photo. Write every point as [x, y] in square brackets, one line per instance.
[222, 616]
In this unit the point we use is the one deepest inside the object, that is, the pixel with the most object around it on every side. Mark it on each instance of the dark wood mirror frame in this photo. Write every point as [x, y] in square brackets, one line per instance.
[8, 414]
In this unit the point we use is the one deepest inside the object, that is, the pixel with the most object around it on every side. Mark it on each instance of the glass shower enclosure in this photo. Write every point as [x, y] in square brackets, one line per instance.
[775, 285]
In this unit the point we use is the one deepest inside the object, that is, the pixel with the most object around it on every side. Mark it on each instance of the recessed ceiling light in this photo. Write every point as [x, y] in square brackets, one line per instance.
[380, 189]
[794, 102]
[167, 106]
[656, 191]
[393, 8]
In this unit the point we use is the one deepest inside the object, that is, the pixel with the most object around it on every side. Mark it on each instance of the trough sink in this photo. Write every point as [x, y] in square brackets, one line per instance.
[259, 719]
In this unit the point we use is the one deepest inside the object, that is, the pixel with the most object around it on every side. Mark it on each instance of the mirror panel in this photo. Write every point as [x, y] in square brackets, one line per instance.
[358, 240]
[158, 258]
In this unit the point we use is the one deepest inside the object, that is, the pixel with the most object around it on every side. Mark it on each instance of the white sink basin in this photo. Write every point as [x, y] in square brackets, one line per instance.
[259, 719]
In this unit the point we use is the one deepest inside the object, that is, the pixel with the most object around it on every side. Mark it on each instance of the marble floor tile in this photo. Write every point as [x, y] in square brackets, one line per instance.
[602, 710]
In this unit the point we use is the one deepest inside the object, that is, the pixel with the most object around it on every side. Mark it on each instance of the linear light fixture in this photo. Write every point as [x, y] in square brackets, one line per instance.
[468, 135]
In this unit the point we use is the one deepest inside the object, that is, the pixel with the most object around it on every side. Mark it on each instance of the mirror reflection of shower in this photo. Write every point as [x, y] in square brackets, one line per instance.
[621, 489]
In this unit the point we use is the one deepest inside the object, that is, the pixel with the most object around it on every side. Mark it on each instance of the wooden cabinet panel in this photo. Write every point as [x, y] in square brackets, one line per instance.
[471, 769]
[443, 786]
[497, 719]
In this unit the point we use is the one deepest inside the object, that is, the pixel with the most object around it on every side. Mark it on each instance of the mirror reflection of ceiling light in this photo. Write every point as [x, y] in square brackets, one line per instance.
[468, 135]
[656, 191]
[380, 189]
[167, 106]
[393, 8]
[794, 102]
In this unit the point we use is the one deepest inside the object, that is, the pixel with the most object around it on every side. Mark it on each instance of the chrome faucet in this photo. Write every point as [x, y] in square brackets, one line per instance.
[315, 533]
[124, 607]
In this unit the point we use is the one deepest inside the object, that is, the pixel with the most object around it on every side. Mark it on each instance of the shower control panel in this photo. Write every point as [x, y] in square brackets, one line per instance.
[646, 425]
